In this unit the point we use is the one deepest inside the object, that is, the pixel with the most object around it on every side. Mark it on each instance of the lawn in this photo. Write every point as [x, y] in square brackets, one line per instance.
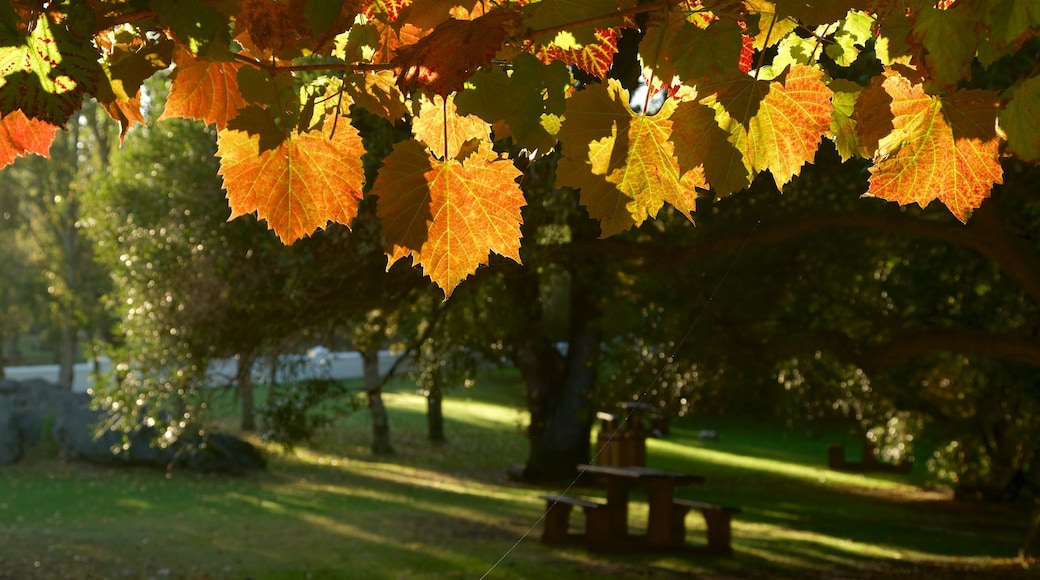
[332, 510]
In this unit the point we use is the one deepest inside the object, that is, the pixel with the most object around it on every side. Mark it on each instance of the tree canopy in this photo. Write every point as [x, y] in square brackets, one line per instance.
[722, 91]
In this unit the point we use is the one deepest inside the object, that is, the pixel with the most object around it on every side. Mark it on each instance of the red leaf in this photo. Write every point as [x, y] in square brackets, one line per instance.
[205, 90]
[20, 135]
[442, 61]
[595, 58]
[301, 185]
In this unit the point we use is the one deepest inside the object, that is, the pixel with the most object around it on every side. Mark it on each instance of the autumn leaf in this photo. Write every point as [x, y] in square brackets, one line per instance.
[936, 148]
[20, 135]
[791, 119]
[442, 61]
[376, 93]
[307, 181]
[624, 163]
[677, 47]
[704, 144]
[204, 90]
[45, 74]
[464, 132]
[595, 57]
[446, 215]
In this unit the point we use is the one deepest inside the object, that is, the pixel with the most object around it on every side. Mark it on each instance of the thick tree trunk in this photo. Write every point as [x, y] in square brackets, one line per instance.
[374, 389]
[560, 389]
[435, 415]
[244, 382]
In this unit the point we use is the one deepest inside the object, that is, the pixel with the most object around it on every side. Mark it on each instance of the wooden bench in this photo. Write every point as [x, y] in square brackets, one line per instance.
[557, 521]
[717, 517]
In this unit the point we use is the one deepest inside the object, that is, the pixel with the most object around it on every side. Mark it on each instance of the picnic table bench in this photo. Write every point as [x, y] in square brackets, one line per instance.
[606, 524]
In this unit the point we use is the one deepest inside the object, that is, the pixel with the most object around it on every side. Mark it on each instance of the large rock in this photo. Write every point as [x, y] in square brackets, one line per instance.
[10, 440]
[35, 412]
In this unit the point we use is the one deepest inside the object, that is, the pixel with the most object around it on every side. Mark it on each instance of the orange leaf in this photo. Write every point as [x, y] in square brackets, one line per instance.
[307, 181]
[20, 135]
[205, 90]
[442, 61]
[463, 131]
[447, 215]
[929, 147]
[791, 120]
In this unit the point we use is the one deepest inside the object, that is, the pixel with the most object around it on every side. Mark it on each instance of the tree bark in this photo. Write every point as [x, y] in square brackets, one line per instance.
[435, 415]
[560, 387]
[374, 389]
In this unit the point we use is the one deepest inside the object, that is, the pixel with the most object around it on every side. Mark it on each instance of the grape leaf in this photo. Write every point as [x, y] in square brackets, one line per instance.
[448, 215]
[595, 57]
[464, 132]
[1008, 22]
[548, 15]
[46, 73]
[520, 99]
[1020, 118]
[937, 148]
[706, 144]
[204, 90]
[20, 135]
[785, 132]
[376, 93]
[843, 127]
[949, 37]
[691, 52]
[307, 181]
[624, 164]
[442, 61]
[813, 12]
[200, 27]
[853, 33]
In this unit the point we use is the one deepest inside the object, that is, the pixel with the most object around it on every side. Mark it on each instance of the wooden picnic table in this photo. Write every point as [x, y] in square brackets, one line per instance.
[659, 486]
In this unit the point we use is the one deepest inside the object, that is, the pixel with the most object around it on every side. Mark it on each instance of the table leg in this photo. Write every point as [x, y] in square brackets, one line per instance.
[617, 506]
[659, 524]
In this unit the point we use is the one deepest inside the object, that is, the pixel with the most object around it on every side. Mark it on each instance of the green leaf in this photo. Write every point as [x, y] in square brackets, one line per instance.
[551, 13]
[1007, 22]
[853, 34]
[321, 14]
[891, 44]
[691, 52]
[843, 127]
[520, 99]
[1020, 119]
[46, 73]
[950, 37]
[196, 23]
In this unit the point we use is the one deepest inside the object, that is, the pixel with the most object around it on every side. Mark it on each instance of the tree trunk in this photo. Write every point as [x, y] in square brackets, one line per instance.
[435, 415]
[560, 388]
[374, 390]
[244, 383]
[67, 351]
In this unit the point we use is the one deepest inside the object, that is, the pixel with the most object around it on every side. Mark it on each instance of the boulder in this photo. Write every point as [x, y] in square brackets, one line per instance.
[35, 411]
[10, 440]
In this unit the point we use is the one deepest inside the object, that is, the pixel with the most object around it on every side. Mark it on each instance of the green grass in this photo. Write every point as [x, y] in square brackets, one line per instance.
[331, 510]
